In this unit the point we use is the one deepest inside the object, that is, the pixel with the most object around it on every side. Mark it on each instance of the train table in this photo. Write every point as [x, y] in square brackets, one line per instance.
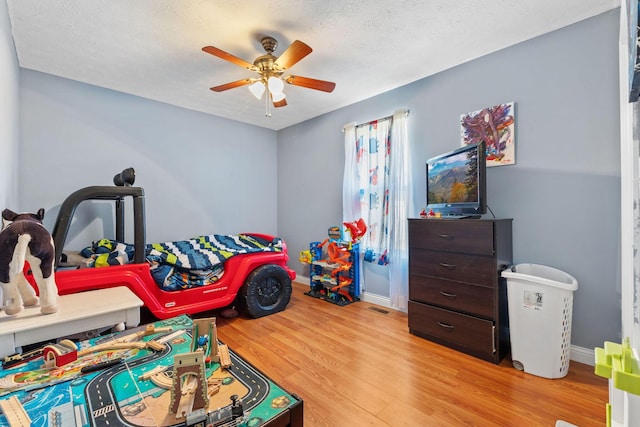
[162, 374]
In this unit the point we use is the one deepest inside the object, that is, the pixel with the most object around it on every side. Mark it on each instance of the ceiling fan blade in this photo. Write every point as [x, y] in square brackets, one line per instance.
[232, 85]
[310, 83]
[282, 103]
[228, 57]
[294, 53]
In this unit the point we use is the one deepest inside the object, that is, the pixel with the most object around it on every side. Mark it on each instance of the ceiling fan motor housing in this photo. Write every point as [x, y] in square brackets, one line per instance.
[269, 44]
[266, 66]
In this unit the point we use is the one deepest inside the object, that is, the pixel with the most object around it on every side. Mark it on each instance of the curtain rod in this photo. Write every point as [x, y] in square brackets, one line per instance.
[376, 120]
[406, 111]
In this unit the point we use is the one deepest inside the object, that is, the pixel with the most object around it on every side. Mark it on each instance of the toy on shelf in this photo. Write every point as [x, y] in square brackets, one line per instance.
[356, 229]
[25, 240]
[59, 354]
[334, 274]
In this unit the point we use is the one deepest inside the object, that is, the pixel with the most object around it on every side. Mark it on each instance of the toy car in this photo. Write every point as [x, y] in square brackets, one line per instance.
[260, 283]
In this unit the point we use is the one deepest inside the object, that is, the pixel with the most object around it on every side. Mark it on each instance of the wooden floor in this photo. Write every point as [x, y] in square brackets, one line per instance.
[358, 366]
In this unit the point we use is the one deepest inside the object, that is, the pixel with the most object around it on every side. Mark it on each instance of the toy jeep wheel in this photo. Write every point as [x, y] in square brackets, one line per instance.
[267, 290]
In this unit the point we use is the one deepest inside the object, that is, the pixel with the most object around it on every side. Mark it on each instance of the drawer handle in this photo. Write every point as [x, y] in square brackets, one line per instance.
[448, 266]
[446, 236]
[447, 294]
[445, 325]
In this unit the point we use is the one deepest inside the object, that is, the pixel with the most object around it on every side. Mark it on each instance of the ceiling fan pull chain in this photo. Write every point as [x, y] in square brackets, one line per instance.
[267, 101]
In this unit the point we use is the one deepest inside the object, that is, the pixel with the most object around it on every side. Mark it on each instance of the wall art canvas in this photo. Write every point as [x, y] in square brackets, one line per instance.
[496, 126]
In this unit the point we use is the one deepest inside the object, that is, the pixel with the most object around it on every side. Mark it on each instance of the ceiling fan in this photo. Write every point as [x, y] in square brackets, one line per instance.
[270, 70]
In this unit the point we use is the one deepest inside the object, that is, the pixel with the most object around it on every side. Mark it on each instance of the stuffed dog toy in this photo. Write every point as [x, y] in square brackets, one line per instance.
[24, 238]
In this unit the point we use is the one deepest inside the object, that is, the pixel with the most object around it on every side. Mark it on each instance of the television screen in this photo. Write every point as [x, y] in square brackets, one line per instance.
[456, 182]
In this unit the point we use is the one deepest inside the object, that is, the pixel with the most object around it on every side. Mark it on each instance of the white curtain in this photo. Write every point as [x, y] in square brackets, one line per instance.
[401, 203]
[350, 181]
[350, 187]
[373, 148]
[376, 187]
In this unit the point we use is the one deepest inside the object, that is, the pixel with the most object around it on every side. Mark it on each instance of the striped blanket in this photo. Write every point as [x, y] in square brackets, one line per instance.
[183, 264]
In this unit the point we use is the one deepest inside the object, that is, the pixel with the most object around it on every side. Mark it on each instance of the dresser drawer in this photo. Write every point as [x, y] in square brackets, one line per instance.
[469, 236]
[476, 269]
[472, 299]
[467, 333]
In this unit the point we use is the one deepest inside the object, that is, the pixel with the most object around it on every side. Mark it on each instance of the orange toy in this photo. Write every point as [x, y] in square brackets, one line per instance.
[356, 229]
[337, 254]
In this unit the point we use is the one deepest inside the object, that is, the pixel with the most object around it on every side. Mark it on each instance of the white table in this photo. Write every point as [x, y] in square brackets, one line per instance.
[77, 313]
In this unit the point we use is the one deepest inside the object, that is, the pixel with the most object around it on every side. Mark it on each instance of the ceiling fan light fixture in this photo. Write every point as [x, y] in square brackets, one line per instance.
[278, 96]
[257, 89]
[275, 85]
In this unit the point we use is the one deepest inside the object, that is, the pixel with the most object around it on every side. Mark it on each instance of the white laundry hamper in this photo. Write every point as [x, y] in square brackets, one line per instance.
[540, 300]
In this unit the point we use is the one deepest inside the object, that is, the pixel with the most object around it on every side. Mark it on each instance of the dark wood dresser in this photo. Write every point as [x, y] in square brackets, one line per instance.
[456, 294]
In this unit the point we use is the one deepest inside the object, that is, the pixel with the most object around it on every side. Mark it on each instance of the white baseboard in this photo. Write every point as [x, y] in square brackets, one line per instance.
[583, 355]
[578, 354]
[376, 299]
[364, 296]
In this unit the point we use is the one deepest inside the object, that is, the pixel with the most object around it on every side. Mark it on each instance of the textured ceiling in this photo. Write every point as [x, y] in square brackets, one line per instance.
[152, 48]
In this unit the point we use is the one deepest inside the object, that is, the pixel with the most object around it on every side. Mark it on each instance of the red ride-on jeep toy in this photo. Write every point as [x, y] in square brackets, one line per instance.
[259, 282]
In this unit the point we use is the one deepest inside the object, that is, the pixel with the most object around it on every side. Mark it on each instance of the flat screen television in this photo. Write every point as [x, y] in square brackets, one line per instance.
[456, 182]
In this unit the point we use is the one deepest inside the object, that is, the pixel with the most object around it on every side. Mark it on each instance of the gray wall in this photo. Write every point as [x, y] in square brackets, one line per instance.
[9, 74]
[564, 191]
[201, 174]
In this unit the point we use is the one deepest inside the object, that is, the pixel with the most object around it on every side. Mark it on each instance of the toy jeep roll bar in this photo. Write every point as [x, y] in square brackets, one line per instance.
[117, 194]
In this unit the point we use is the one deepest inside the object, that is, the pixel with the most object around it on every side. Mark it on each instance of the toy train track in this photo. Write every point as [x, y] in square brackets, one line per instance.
[18, 359]
[232, 415]
[14, 412]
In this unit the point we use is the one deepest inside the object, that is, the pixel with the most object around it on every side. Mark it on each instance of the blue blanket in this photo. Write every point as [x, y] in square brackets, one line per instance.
[182, 264]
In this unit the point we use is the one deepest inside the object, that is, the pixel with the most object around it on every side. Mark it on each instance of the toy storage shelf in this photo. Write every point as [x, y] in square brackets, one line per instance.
[335, 282]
